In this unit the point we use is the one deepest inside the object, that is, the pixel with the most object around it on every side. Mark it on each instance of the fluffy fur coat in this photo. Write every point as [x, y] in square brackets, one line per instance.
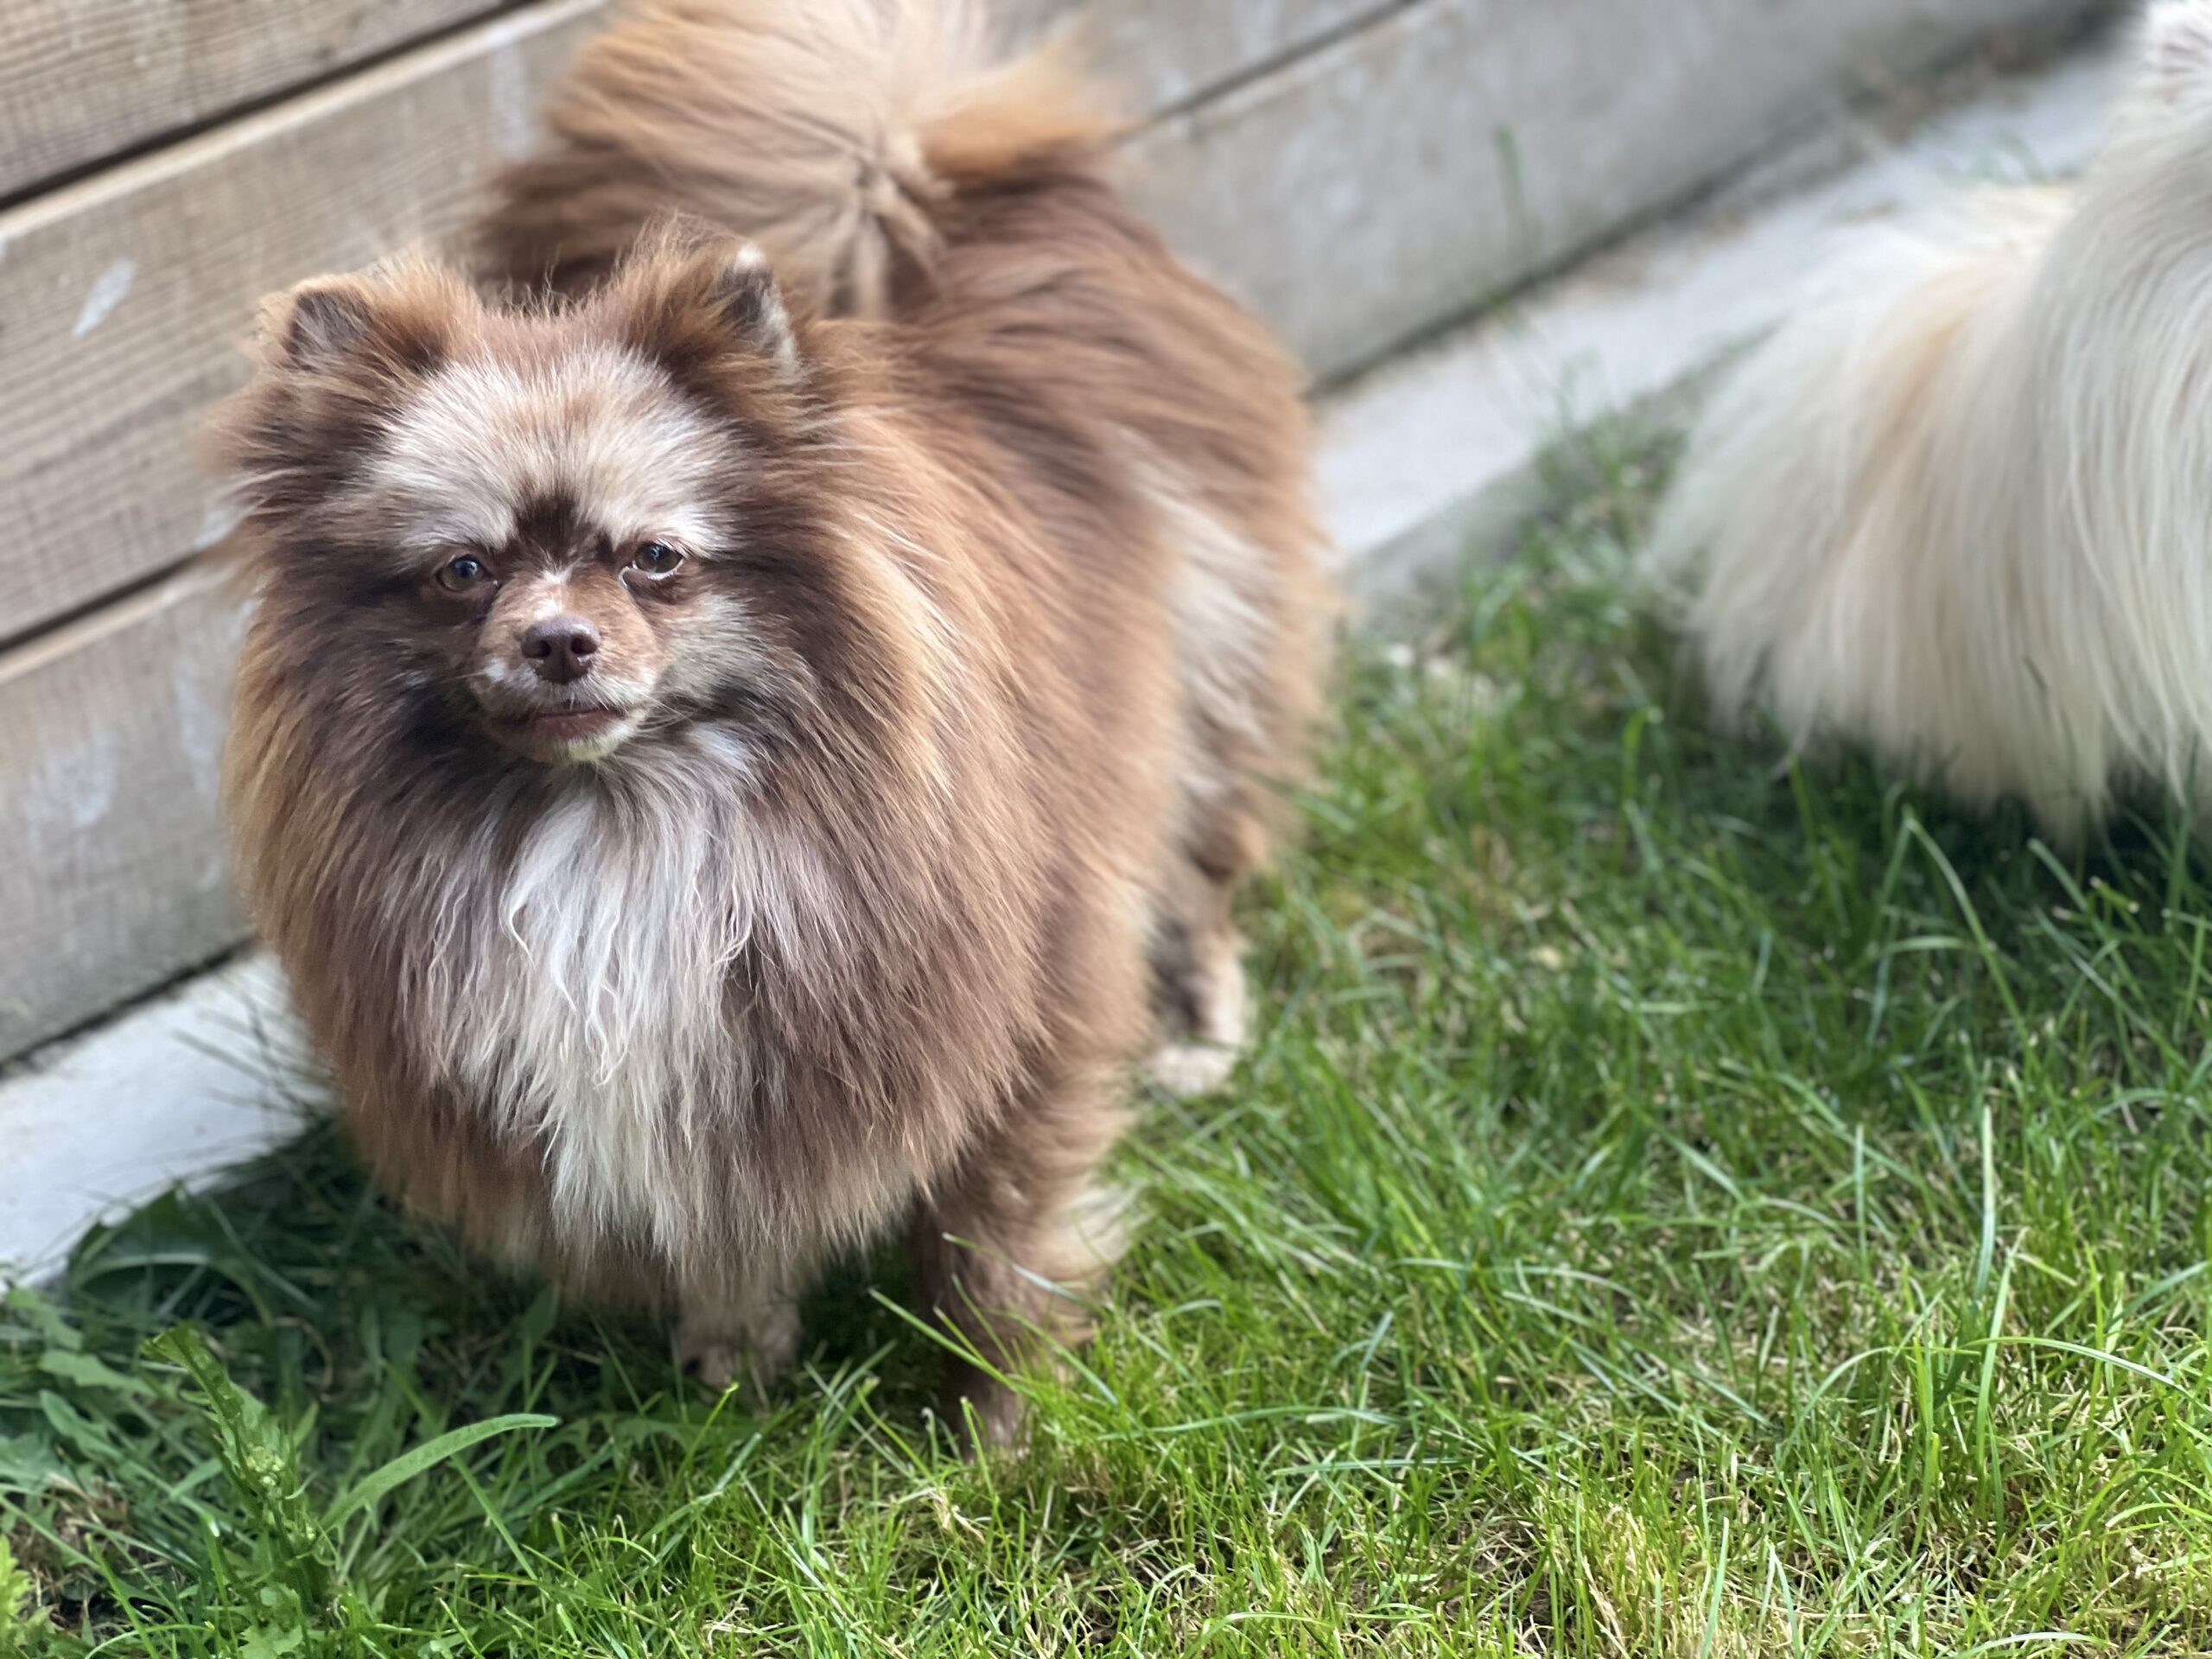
[743, 742]
[1959, 508]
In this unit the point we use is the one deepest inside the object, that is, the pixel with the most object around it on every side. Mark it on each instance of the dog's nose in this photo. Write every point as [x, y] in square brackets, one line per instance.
[561, 648]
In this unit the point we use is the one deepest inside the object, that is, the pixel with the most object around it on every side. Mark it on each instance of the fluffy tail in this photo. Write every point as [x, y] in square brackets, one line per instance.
[1809, 521]
[835, 133]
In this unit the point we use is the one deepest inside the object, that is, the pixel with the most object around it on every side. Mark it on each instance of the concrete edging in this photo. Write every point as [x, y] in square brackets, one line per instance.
[1438, 450]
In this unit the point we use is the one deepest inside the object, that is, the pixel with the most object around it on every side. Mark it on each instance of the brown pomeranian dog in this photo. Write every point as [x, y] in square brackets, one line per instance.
[742, 743]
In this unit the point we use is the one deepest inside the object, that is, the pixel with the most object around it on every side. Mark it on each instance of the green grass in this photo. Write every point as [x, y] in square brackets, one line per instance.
[1676, 1207]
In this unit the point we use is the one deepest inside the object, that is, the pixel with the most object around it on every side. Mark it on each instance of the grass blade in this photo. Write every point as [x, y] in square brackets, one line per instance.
[407, 1465]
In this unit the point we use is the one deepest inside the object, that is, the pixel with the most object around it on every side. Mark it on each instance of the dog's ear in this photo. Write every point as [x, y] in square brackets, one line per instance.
[2181, 51]
[321, 320]
[688, 301]
[398, 318]
[751, 304]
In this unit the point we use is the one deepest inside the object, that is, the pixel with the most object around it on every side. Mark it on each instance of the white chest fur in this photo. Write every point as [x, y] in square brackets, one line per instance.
[582, 999]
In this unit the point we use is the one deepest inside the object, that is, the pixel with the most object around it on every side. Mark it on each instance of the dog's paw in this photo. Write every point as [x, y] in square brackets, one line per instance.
[1186, 1069]
[751, 1353]
[1205, 1059]
[986, 1415]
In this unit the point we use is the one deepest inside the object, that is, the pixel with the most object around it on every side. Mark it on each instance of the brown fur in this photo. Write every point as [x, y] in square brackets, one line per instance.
[940, 752]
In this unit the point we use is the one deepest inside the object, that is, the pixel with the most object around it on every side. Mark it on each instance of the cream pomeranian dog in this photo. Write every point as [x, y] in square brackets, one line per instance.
[742, 744]
[1959, 508]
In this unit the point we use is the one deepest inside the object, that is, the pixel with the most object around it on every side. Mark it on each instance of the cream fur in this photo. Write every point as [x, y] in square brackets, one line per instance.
[1960, 507]
[483, 437]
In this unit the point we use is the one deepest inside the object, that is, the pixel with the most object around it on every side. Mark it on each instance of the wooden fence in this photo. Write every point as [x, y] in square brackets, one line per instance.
[1362, 172]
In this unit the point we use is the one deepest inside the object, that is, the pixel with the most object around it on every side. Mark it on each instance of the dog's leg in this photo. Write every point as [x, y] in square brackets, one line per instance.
[739, 1328]
[1209, 1017]
[1011, 1253]
[1198, 957]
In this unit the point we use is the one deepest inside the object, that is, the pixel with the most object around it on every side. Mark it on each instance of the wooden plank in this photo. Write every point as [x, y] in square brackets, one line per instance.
[112, 871]
[1154, 55]
[1401, 176]
[83, 79]
[123, 299]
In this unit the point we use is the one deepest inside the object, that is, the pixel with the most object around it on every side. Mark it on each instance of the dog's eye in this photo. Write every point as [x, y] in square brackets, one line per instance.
[657, 559]
[462, 574]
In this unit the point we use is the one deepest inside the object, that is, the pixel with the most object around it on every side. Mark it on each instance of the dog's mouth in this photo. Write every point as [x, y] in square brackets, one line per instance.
[574, 725]
[570, 731]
